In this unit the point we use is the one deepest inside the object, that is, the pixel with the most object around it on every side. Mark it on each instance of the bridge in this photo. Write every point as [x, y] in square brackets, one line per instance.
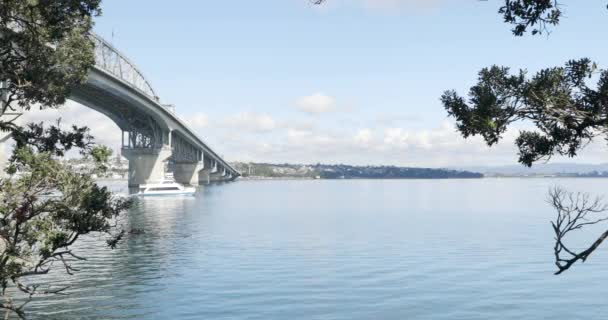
[154, 139]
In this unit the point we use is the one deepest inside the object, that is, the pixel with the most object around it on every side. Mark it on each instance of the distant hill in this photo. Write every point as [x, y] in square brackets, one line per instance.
[322, 171]
[558, 169]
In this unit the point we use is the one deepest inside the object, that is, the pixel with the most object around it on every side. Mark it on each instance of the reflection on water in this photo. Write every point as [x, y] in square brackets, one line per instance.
[415, 249]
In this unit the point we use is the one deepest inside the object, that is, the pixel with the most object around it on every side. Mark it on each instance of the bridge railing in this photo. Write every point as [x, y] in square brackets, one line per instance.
[111, 60]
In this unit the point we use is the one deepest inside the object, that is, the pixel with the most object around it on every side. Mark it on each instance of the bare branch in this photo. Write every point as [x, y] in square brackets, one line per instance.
[574, 211]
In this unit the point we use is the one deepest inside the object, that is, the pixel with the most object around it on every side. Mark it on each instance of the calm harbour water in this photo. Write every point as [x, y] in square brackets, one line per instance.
[356, 249]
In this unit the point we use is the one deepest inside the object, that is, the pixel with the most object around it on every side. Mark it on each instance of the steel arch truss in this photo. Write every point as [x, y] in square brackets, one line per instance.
[112, 61]
[143, 133]
[184, 151]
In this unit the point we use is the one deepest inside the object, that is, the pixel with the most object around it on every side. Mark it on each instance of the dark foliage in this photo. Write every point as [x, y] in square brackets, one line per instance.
[574, 211]
[44, 52]
[566, 111]
[52, 139]
[43, 212]
[390, 172]
[531, 14]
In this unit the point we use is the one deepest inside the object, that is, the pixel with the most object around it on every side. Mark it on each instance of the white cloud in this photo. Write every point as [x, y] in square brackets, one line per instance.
[197, 120]
[244, 136]
[395, 137]
[421, 139]
[297, 135]
[316, 103]
[437, 147]
[363, 136]
[304, 138]
[252, 122]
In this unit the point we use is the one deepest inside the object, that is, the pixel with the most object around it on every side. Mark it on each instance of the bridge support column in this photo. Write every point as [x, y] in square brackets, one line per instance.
[188, 173]
[204, 177]
[221, 175]
[215, 177]
[146, 165]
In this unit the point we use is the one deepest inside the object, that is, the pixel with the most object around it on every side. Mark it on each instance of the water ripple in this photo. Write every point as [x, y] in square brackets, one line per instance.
[300, 250]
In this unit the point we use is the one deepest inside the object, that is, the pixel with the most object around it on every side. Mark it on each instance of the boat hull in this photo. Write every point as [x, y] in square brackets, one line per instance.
[155, 194]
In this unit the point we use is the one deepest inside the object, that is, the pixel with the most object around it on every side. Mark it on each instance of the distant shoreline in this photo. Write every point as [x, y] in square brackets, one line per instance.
[384, 178]
[397, 178]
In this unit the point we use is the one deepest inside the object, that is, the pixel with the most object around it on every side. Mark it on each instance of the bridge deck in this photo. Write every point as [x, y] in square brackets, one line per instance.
[113, 66]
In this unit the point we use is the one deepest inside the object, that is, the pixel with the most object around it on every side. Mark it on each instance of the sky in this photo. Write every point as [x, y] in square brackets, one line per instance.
[352, 81]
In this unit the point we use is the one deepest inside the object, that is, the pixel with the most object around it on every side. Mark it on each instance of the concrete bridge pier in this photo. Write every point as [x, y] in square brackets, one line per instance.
[215, 177]
[220, 175]
[204, 177]
[146, 165]
[188, 173]
[214, 173]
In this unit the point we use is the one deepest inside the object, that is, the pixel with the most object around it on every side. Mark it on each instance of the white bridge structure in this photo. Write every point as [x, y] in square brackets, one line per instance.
[154, 139]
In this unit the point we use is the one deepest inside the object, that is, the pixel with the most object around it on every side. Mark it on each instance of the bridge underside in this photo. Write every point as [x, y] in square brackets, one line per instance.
[153, 140]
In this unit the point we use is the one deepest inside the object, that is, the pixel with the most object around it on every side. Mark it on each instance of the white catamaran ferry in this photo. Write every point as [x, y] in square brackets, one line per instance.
[167, 186]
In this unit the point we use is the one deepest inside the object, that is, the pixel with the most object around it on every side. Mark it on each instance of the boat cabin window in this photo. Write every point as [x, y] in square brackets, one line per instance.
[164, 189]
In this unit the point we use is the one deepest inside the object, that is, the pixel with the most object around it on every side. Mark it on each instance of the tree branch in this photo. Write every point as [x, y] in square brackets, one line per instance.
[573, 213]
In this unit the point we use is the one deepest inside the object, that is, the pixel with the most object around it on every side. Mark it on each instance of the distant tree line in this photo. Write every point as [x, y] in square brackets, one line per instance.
[391, 172]
[342, 171]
